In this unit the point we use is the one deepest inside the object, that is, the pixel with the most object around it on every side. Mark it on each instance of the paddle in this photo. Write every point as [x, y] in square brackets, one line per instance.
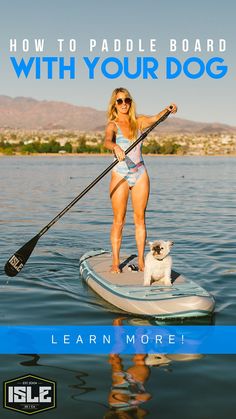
[18, 260]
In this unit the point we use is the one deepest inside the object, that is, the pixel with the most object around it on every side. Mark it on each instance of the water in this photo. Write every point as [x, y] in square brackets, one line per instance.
[192, 202]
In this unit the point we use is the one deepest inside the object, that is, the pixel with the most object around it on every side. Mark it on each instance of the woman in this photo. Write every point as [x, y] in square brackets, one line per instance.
[130, 173]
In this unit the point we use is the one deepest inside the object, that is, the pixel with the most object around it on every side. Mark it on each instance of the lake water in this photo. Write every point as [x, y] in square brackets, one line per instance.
[192, 202]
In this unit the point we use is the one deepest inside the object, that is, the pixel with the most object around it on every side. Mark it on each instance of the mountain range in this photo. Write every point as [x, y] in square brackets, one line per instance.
[27, 113]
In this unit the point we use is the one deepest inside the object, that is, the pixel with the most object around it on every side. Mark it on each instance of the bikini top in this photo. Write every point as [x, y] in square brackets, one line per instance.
[136, 154]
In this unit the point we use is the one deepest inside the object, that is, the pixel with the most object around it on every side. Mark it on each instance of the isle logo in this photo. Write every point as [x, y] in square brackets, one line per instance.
[29, 394]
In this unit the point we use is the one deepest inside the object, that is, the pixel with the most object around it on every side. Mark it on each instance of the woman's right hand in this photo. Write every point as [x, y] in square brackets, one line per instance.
[119, 153]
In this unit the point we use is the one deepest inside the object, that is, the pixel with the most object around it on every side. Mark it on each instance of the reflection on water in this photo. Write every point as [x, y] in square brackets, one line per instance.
[127, 391]
[128, 394]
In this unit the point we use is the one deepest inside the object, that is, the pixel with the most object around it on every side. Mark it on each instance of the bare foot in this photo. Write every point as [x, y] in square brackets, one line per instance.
[115, 269]
[141, 265]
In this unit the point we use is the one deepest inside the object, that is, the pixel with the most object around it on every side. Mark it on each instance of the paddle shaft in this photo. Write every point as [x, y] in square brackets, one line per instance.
[95, 181]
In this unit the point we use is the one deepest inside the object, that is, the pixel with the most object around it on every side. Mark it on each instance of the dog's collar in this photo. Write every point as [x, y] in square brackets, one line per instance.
[160, 260]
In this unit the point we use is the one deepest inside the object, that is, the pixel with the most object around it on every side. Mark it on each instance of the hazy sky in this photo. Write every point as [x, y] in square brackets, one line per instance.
[203, 99]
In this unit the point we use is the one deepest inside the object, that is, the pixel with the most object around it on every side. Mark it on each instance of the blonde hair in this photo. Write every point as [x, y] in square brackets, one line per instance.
[112, 111]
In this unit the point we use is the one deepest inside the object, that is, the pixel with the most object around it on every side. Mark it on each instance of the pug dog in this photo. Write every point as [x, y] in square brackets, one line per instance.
[158, 263]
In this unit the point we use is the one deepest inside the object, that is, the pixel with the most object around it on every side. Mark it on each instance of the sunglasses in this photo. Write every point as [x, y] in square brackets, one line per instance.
[126, 100]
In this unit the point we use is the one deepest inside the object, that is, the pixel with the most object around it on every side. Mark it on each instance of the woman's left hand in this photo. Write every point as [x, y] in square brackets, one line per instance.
[172, 108]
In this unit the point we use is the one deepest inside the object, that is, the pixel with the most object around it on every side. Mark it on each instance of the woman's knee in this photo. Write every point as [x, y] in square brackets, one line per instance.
[119, 222]
[139, 219]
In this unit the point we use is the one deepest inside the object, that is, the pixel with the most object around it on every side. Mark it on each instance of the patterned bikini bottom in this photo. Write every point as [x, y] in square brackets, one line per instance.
[129, 170]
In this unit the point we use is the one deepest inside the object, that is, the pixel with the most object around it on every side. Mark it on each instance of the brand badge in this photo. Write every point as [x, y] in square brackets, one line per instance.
[29, 394]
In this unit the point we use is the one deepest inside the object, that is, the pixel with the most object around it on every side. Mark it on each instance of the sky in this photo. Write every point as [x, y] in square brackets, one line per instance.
[203, 99]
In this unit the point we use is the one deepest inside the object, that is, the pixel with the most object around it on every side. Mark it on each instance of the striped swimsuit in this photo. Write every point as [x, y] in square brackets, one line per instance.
[133, 166]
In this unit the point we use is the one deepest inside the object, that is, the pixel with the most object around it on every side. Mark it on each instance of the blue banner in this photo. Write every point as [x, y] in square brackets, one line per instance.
[117, 339]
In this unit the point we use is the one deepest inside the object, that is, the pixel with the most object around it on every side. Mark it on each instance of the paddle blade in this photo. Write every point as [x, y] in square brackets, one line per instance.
[19, 259]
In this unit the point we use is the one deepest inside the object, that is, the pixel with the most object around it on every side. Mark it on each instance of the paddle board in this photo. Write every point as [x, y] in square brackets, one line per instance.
[185, 298]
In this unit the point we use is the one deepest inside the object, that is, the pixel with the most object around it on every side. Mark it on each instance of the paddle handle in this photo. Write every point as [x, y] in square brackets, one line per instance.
[95, 181]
